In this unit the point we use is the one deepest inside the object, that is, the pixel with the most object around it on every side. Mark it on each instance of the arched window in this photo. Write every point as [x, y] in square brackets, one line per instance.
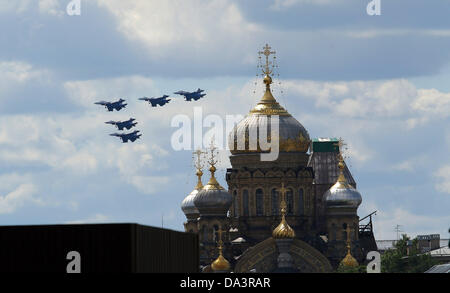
[301, 206]
[259, 202]
[275, 205]
[204, 234]
[215, 233]
[344, 233]
[289, 201]
[235, 204]
[245, 202]
[333, 232]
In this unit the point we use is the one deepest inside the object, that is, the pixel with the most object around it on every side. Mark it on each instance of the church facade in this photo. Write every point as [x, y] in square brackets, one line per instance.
[308, 191]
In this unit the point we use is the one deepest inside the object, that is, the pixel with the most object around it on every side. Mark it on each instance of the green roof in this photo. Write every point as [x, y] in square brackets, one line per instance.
[328, 144]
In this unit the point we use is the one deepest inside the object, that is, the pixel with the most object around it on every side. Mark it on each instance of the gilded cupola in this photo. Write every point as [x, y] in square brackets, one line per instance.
[349, 260]
[212, 199]
[283, 230]
[220, 264]
[293, 137]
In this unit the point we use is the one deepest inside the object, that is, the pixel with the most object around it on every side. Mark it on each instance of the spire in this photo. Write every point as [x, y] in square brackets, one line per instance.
[212, 183]
[221, 263]
[341, 165]
[267, 71]
[198, 166]
[268, 105]
[349, 260]
[283, 230]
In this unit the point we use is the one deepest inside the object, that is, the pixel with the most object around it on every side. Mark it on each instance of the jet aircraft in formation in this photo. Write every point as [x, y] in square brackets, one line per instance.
[112, 105]
[156, 101]
[128, 124]
[127, 136]
[189, 96]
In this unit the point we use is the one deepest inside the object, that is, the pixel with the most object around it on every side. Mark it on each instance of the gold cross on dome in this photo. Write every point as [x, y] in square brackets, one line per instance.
[198, 163]
[341, 145]
[212, 158]
[266, 52]
[220, 231]
[283, 204]
[348, 230]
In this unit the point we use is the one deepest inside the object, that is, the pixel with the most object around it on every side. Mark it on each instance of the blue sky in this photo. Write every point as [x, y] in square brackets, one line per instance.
[380, 82]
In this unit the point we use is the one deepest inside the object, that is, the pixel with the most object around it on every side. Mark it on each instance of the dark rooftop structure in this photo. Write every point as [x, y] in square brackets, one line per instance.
[440, 269]
[128, 248]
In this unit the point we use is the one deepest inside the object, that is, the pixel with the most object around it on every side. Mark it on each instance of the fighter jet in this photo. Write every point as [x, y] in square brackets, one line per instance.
[112, 105]
[123, 124]
[127, 136]
[194, 95]
[156, 101]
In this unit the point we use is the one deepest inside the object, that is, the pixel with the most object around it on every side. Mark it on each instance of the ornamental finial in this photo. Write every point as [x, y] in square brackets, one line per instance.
[341, 164]
[221, 263]
[212, 183]
[212, 154]
[283, 230]
[266, 69]
[349, 260]
[199, 167]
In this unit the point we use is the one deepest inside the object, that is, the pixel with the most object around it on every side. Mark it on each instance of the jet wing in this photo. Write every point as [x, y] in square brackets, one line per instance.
[103, 103]
[182, 93]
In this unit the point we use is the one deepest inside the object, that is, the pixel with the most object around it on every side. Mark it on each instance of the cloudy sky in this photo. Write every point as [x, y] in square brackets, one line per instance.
[379, 82]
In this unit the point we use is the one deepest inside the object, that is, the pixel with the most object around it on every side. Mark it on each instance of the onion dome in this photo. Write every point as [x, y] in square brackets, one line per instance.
[283, 230]
[213, 199]
[220, 264]
[187, 205]
[342, 194]
[349, 260]
[293, 137]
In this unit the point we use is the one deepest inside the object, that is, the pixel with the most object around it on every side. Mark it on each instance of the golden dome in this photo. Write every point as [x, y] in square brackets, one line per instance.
[283, 230]
[220, 264]
[349, 261]
[293, 137]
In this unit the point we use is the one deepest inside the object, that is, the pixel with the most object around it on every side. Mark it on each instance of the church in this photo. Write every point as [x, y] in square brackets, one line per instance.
[298, 213]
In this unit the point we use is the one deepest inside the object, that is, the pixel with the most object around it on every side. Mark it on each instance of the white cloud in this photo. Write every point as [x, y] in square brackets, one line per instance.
[396, 98]
[443, 174]
[17, 6]
[97, 218]
[284, 4]
[17, 198]
[432, 102]
[81, 162]
[166, 22]
[51, 7]
[413, 164]
[85, 93]
[18, 72]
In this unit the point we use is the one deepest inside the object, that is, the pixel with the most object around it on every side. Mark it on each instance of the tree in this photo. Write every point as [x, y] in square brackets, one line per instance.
[398, 260]
[358, 269]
